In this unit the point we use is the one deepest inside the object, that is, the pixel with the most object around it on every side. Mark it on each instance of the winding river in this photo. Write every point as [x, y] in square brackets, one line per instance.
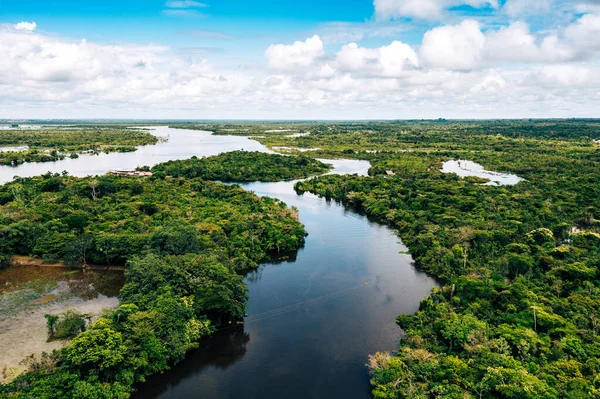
[312, 320]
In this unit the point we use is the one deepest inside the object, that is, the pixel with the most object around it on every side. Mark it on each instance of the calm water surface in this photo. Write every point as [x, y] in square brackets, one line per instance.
[465, 168]
[313, 320]
[183, 144]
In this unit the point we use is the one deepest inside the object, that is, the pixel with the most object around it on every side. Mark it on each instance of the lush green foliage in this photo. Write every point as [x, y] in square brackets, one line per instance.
[66, 325]
[184, 241]
[109, 219]
[518, 315]
[241, 166]
[51, 144]
[252, 129]
[369, 140]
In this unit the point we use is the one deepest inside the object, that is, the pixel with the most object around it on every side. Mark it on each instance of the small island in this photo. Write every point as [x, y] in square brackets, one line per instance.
[241, 166]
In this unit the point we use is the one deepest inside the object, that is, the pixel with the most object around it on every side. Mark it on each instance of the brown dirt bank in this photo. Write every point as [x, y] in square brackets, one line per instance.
[20, 260]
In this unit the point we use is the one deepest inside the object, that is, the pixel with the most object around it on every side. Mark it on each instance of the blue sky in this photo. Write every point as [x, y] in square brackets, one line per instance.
[234, 25]
[129, 20]
[299, 59]
[223, 25]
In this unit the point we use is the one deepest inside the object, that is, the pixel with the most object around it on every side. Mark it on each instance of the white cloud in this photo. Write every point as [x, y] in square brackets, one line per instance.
[308, 58]
[457, 47]
[296, 56]
[33, 58]
[585, 32]
[512, 42]
[26, 26]
[423, 9]
[387, 61]
[568, 76]
[466, 46]
[493, 82]
[515, 43]
[460, 71]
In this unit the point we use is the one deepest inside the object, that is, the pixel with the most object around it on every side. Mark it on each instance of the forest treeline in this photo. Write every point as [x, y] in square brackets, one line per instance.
[54, 143]
[243, 166]
[517, 316]
[184, 240]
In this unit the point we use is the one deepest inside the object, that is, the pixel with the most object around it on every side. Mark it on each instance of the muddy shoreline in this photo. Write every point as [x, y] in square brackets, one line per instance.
[29, 289]
[20, 260]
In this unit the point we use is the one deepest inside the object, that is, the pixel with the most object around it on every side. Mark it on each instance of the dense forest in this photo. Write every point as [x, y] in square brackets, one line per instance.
[518, 312]
[252, 129]
[184, 242]
[242, 166]
[419, 133]
[517, 316]
[54, 143]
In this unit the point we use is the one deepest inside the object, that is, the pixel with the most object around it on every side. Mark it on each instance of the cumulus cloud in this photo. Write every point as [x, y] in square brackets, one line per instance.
[457, 47]
[465, 46]
[515, 43]
[309, 59]
[34, 58]
[296, 56]
[458, 71]
[585, 33]
[387, 61]
[26, 26]
[423, 9]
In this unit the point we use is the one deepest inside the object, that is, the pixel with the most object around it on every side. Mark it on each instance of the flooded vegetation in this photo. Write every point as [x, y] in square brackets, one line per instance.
[27, 293]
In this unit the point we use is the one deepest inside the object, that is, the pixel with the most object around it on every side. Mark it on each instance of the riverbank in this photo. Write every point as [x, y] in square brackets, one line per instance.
[21, 260]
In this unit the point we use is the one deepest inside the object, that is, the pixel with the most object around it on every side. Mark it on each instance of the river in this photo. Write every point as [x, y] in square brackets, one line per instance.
[312, 320]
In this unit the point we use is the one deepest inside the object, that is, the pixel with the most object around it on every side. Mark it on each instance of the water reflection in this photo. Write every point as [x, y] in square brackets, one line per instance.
[254, 275]
[217, 353]
[313, 322]
[468, 168]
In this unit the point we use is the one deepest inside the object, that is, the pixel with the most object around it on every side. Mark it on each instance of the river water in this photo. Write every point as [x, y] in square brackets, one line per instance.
[312, 320]
[465, 168]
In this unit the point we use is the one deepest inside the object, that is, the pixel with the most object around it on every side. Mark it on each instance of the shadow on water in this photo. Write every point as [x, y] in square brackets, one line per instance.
[253, 275]
[219, 352]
